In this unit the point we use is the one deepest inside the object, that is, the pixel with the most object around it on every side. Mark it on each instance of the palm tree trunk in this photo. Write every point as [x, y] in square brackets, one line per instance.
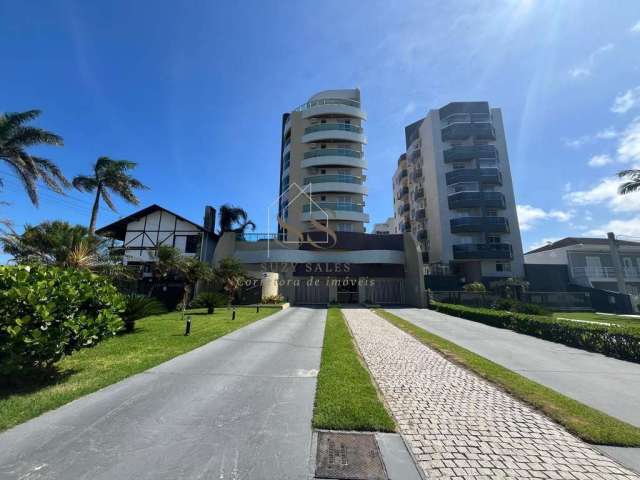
[94, 212]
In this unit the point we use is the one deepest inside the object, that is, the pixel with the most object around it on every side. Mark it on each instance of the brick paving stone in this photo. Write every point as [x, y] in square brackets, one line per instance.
[461, 426]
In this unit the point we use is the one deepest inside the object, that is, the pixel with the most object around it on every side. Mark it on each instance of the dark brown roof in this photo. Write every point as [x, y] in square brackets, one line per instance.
[118, 228]
[568, 241]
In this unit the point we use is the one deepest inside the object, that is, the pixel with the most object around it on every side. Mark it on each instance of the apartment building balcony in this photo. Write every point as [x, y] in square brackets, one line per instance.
[334, 156]
[336, 183]
[418, 194]
[490, 176]
[462, 131]
[404, 208]
[335, 211]
[333, 131]
[416, 174]
[476, 200]
[287, 125]
[402, 192]
[471, 152]
[605, 273]
[421, 214]
[479, 224]
[332, 106]
[482, 251]
[422, 235]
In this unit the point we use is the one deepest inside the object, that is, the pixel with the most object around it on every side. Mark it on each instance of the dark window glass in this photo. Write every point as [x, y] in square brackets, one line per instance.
[192, 244]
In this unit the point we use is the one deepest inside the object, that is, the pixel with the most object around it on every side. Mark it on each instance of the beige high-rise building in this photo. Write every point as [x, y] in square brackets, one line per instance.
[322, 154]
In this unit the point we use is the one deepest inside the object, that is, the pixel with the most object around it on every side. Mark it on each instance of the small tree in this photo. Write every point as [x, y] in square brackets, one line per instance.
[192, 271]
[230, 274]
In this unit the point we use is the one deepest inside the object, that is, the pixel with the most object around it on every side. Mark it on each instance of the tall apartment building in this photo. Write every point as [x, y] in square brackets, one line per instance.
[453, 191]
[322, 152]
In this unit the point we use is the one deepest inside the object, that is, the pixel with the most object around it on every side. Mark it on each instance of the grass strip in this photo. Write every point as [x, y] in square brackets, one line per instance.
[589, 424]
[155, 340]
[346, 398]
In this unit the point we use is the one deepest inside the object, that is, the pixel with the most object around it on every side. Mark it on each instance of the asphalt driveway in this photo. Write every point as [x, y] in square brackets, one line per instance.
[239, 407]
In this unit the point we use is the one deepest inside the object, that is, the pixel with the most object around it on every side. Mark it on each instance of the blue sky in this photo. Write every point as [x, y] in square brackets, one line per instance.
[194, 93]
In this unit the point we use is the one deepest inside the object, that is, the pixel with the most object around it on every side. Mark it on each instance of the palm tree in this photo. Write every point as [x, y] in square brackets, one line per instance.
[234, 219]
[109, 177]
[15, 138]
[633, 184]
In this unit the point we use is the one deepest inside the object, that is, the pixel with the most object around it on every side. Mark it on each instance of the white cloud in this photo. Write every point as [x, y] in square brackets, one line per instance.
[607, 133]
[626, 101]
[629, 143]
[409, 108]
[629, 227]
[635, 28]
[528, 216]
[604, 134]
[586, 69]
[605, 193]
[600, 160]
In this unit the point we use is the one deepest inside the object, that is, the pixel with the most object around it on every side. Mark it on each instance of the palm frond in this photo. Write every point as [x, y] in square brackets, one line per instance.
[107, 199]
[84, 183]
[29, 136]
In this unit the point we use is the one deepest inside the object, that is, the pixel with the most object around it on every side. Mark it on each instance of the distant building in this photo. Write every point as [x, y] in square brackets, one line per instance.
[453, 192]
[387, 228]
[604, 263]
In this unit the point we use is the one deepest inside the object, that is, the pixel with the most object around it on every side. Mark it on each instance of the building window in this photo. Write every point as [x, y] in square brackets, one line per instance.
[503, 267]
[493, 239]
[492, 213]
[191, 244]
[345, 227]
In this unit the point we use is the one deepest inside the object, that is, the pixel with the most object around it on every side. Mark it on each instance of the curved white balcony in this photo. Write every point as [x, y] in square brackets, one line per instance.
[333, 131]
[335, 211]
[287, 126]
[336, 183]
[334, 156]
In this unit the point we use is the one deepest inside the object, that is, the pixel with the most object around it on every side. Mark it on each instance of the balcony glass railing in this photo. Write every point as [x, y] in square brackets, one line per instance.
[483, 175]
[470, 152]
[479, 224]
[476, 200]
[467, 251]
[321, 127]
[334, 178]
[332, 152]
[341, 206]
[328, 101]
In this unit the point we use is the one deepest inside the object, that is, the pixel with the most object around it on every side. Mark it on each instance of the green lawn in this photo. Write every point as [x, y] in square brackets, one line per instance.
[155, 340]
[594, 317]
[346, 398]
[587, 423]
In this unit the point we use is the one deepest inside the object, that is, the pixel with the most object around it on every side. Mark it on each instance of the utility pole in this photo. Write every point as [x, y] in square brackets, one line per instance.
[617, 263]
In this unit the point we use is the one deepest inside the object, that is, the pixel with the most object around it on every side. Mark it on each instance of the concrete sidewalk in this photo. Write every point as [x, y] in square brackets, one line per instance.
[239, 407]
[604, 383]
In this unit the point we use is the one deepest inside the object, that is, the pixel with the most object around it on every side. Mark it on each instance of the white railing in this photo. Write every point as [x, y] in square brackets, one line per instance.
[605, 272]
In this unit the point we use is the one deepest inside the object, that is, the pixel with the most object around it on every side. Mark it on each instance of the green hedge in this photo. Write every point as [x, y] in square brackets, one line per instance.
[48, 312]
[618, 342]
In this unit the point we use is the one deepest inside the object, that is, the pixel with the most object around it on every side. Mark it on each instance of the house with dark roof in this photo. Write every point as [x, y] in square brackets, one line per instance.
[138, 236]
[603, 263]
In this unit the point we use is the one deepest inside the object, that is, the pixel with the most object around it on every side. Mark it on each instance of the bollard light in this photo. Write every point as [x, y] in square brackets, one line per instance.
[233, 314]
[257, 308]
[187, 328]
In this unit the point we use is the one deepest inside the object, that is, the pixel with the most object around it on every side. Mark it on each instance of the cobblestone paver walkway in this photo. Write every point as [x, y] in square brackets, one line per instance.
[460, 426]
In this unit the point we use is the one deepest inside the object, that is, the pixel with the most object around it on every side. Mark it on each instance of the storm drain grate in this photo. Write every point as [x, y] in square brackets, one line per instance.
[349, 456]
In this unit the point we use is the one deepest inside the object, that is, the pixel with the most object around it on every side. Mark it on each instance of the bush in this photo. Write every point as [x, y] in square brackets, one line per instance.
[139, 306]
[210, 300]
[520, 307]
[475, 287]
[273, 300]
[48, 312]
[618, 342]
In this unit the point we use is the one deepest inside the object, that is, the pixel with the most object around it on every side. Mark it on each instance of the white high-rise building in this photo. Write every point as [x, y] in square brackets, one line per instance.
[453, 191]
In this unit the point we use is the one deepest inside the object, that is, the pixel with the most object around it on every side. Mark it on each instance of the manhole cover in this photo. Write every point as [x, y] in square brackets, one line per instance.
[349, 456]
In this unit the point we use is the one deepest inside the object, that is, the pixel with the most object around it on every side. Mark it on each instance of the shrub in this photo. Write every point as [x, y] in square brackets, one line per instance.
[475, 287]
[618, 342]
[209, 300]
[520, 307]
[48, 312]
[273, 299]
[139, 306]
